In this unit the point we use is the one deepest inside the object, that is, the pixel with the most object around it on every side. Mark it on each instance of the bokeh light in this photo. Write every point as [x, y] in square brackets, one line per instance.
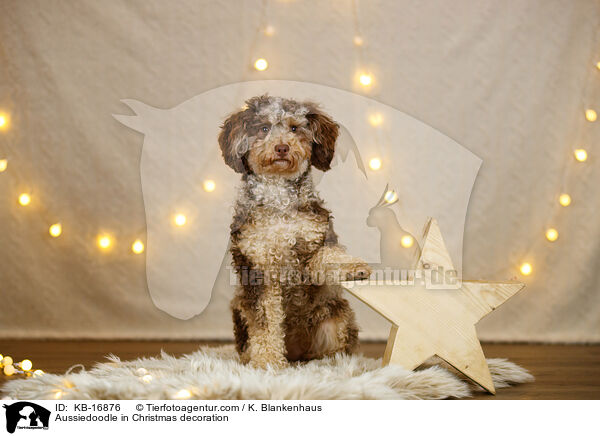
[261, 64]
[55, 230]
[526, 269]
[407, 241]
[375, 163]
[552, 234]
[564, 200]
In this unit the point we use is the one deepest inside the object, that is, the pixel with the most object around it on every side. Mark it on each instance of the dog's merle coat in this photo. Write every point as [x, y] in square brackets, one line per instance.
[285, 251]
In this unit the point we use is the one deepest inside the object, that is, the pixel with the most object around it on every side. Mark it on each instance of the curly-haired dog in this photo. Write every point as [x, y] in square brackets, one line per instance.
[282, 239]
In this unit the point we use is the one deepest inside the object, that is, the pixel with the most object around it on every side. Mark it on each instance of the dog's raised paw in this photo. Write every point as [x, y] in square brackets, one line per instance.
[359, 271]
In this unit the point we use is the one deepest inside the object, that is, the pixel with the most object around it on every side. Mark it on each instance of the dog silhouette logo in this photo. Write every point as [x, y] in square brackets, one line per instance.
[26, 415]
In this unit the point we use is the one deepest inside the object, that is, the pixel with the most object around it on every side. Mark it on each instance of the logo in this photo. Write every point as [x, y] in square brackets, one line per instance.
[26, 415]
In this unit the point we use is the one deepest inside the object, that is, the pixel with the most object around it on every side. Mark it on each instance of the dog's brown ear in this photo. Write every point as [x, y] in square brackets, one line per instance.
[234, 141]
[325, 133]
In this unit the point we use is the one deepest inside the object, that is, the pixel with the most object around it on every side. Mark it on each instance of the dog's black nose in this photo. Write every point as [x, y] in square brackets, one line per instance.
[282, 149]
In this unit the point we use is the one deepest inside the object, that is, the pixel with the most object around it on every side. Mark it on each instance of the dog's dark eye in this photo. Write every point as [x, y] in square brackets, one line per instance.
[294, 128]
[265, 129]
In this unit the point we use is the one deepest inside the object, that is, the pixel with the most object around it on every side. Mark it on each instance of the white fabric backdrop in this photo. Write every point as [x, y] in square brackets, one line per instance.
[507, 80]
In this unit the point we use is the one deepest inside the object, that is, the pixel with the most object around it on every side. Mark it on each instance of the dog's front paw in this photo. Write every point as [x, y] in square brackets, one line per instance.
[355, 271]
[269, 362]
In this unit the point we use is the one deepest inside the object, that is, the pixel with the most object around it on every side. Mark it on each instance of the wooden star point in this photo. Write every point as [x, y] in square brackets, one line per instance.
[430, 318]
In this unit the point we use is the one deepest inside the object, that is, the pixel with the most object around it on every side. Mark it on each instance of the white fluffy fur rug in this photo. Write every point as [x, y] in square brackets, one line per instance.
[216, 373]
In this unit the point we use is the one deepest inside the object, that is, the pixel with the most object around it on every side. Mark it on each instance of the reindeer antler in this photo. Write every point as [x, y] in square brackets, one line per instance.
[383, 202]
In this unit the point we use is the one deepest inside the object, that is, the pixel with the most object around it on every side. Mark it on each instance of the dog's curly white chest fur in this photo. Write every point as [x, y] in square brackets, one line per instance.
[277, 232]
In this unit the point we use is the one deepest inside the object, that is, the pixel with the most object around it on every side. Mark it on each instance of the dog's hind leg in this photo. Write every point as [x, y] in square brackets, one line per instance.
[240, 330]
[336, 332]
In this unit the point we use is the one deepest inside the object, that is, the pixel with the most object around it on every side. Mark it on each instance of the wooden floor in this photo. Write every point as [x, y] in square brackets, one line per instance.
[561, 371]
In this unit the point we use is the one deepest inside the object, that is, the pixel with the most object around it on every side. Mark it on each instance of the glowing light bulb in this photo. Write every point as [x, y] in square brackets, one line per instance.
[209, 185]
[581, 155]
[564, 200]
[375, 119]
[390, 196]
[1, 357]
[598, 65]
[24, 199]
[269, 30]
[358, 41]
[180, 220]
[552, 234]
[183, 394]
[26, 365]
[526, 269]
[147, 378]
[261, 64]
[104, 241]
[38, 373]
[3, 165]
[7, 360]
[58, 395]
[55, 230]
[375, 163]
[365, 79]
[407, 241]
[9, 370]
[137, 247]
[591, 115]
[3, 121]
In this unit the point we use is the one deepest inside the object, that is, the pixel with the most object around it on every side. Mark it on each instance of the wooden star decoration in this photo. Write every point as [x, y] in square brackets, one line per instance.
[435, 320]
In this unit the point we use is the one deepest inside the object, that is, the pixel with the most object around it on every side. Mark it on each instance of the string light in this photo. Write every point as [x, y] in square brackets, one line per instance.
[365, 79]
[104, 242]
[591, 115]
[137, 247]
[375, 119]
[390, 197]
[564, 200]
[24, 199]
[147, 378]
[581, 155]
[526, 269]
[552, 234]
[58, 395]
[209, 185]
[261, 64]
[24, 367]
[180, 220]
[375, 163]
[55, 230]
[183, 394]
[407, 241]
